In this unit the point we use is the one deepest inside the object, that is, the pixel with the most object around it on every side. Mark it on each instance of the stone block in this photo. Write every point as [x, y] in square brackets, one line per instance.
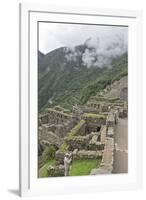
[55, 171]
[110, 132]
[59, 157]
[77, 142]
[123, 113]
[44, 119]
[84, 154]
[96, 146]
[110, 119]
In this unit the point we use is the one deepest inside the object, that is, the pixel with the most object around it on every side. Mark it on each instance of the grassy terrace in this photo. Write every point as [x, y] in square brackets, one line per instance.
[84, 166]
[79, 167]
[43, 170]
[96, 100]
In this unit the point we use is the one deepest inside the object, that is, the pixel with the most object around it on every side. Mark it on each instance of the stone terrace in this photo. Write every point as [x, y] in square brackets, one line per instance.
[91, 137]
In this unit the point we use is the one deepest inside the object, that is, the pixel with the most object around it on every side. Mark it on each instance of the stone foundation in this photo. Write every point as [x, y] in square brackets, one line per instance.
[55, 171]
[87, 136]
[84, 154]
[106, 166]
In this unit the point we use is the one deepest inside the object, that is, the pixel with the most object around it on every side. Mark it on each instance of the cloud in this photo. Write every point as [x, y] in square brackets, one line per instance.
[55, 35]
[100, 52]
[102, 43]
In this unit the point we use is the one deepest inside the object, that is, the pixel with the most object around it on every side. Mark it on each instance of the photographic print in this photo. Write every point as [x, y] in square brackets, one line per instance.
[82, 99]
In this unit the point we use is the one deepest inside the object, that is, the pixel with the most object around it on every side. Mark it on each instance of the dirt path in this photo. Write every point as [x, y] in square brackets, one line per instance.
[121, 147]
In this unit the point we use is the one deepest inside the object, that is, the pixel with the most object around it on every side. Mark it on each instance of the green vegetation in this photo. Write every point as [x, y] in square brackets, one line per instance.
[119, 76]
[84, 166]
[79, 167]
[67, 83]
[49, 152]
[64, 147]
[43, 170]
[76, 129]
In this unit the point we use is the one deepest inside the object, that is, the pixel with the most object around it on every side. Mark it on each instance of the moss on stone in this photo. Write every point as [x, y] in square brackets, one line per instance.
[76, 129]
[78, 138]
[59, 108]
[59, 112]
[92, 115]
[125, 105]
[112, 100]
[64, 147]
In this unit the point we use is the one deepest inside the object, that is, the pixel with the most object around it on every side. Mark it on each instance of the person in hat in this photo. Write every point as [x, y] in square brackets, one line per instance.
[67, 163]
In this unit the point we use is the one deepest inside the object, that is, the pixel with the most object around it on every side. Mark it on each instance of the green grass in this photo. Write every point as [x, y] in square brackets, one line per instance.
[79, 167]
[43, 170]
[84, 166]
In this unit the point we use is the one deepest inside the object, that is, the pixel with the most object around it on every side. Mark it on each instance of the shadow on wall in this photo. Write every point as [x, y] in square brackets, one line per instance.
[14, 191]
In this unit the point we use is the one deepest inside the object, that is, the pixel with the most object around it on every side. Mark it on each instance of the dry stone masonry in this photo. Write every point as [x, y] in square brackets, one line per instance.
[86, 132]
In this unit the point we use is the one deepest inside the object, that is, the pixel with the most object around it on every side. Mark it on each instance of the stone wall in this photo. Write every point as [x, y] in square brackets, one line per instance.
[89, 136]
[57, 117]
[55, 171]
[124, 94]
[106, 166]
[43, 119]
[55, 132]
[77, 142]
[110, 119]
[49, 136]
[103, 133]
[93, 122]
[87, 154]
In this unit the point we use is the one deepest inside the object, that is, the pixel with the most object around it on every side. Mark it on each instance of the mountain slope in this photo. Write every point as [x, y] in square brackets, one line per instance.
[65, 82]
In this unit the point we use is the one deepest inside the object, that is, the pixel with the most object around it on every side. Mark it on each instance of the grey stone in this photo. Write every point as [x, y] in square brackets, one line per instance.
[55, 171]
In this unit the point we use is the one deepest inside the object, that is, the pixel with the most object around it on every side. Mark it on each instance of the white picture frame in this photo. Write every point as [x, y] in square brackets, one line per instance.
[29, 184]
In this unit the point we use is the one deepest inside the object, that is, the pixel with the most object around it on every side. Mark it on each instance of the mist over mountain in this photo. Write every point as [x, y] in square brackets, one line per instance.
[70, 75]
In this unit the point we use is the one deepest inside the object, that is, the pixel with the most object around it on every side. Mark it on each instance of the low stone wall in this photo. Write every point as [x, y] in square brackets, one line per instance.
[57, 117]
[110, 131]
[79, 129]
[43, 119]
[93, 121]
[49, 136]
[110, 120]
[58, 129]
[95, 145]
[77, 142]
[103, 133]
[123, 113]
[108, 152]
[59, 157]
[90, 142]
[106, 166]
[55, 132]
[84, 154]
[55, 171]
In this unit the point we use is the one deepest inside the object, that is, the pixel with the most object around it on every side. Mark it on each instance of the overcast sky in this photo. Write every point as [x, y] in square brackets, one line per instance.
[55, 35]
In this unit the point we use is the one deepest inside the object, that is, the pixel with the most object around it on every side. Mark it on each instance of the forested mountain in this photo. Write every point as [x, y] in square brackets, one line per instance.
[70, 76]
